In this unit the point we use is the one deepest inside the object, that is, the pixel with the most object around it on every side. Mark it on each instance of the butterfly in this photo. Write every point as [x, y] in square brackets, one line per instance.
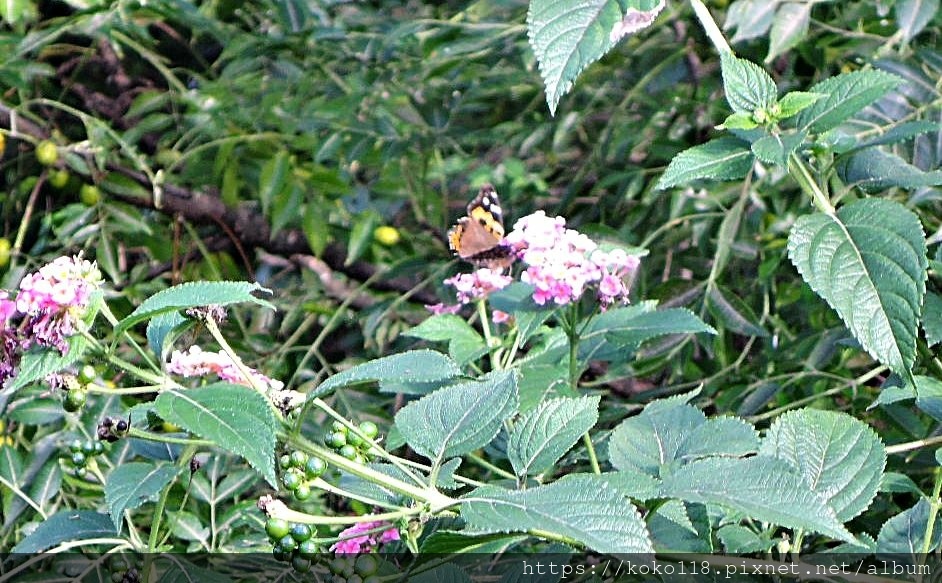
[478, 237]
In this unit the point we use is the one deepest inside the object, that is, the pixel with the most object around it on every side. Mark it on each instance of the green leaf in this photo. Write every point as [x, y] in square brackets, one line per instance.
[38, 363]
[445, 573]
[895, 483]
[794, 102]
[738, 121]
[464, 342]
[845, 95]
[192, 295]
[932, 319]
[748, 87]
[67, 525]
[456, 420]
[873, 170]
[840, 458]
[869, 263]
[164, 327]
[316, 231]
[580, 507]
[36, 411]
[568, 36]
[15, 11]
[905, 533]
[416, 366]
[544, 434]
[725, 158]
[629, 329]
[235, 417]
[789, 28]
[929, 395]
[133, 484]
[361, 235]
[735, 315]
[750, 18]
[447, 543]
[272, 179]
[902, 132]
[913, 15]
[46, 483]
[631, 483]
[775, 149]
[762, 488]
[286, 207]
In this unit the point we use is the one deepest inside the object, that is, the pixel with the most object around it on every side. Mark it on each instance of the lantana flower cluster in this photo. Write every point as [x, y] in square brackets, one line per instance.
[47, 309]
[561, 264]
[358, 538]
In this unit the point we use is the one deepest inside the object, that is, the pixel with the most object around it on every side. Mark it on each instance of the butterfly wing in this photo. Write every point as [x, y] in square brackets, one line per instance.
[477, 237]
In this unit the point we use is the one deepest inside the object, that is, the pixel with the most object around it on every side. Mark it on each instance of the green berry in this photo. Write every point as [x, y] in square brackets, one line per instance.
[288, 544]
[348, 451]
[59, 178]
[372, 579]
[292, 479]
[88, 448]
[369, 429]
[360, 459]
[47, 153]
[338, 426]
[280, 554]
[336, 440]
[87, 374]
[78, 459]
[75, 400]
[75, 446]
[284, 462]
[81, 472]
[354, 439]
[277, 528]
[354, 579]
[89, 194]
[117, 577]
[315, 467]
[335, 566]
[99, 447]
[373, 452]
[301, 532]
[302, 492]
[366, 565]
[298, 459]
[301, 565]
[308, 549]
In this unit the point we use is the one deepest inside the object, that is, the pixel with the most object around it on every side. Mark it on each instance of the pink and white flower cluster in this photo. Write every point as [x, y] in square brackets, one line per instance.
[196, 363]
[358, 538]
[47, 309]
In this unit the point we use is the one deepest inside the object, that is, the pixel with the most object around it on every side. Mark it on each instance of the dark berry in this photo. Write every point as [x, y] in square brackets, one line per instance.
[300, 532]
[301, 565]
[277, 528]
[315, 467]
[121, 426]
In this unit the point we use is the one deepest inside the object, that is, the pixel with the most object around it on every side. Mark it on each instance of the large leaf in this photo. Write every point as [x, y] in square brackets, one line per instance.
[905, 533]
[456, 420]
[869, 263]
[568, 36]
[541, 436]
[235, 417]
[748, 87]
[612, 334]
[932, 319]
[192, 295]
[913, 15]
[845, 95]
[67, 525]
[929, 395]
[789, 28]
[132, 484]
[581, 507]
[873, 170]
[725, 158]
[762, 488]
[464, 342]
[38, 363]
[840, 458]
[416, 366]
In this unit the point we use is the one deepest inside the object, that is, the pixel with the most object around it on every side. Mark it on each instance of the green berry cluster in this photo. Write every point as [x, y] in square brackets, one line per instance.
[298, 469]
[79, 452]
[354, 569]
[292, 543]
[76, 388]
[349, 444]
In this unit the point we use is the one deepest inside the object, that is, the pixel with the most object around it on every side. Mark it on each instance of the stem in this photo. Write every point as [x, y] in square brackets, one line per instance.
[486, 328]
[574, 374]
[713, 32]
[244, 370]
[182, 462]
[934, 504]
[801, 174]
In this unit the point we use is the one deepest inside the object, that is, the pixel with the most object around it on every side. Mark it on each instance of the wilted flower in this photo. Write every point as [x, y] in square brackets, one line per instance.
[357, 539]
[195, 362]
[9, 346]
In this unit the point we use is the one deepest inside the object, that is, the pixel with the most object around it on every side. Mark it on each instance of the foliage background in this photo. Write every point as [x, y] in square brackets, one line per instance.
[315, 123]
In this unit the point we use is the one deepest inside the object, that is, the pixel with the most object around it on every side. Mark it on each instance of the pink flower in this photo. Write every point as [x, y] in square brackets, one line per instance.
[357, 539]
[478, 284]
[9, 345]
[196, 362]
[441, 308]
[499, 317]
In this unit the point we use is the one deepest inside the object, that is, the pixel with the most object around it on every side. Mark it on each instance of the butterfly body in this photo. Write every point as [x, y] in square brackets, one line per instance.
[478, 237]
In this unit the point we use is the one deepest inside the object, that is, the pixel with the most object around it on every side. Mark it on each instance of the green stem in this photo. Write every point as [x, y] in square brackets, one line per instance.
[934, 504]
[157, 437]
[486, 328]
[799, 171]
[574, 373]
[713, 31]
[182, 462]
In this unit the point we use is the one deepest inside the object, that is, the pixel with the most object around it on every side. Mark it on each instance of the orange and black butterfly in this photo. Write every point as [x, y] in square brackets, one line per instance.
[478, 237]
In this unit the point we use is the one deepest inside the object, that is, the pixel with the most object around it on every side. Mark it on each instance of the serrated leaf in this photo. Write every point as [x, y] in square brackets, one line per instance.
[38, 363]
[869, 263]
[456, 420]
[840, 458]
[633, 484]
[873, 170]
[902, 132]
[133, 484]
[896, 483]
[738, 121]
[464, 342]
[416, 366]
[913, 15]
[47, 482]
[929, 395]
[735, 315]
[447, 543]
[750, 18]
[611, 334]
[568, 36]
[235, 417]
[932, 319]
[789, 27]
[191, 295]
[795, 101]
[905, 533]
[762, 488]
[845, 94]
[579, 507]
[67, 525]
[725, 158]
[775, 149]
[164, 326]
[544, 434]
[747, 85]
[36, 411]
